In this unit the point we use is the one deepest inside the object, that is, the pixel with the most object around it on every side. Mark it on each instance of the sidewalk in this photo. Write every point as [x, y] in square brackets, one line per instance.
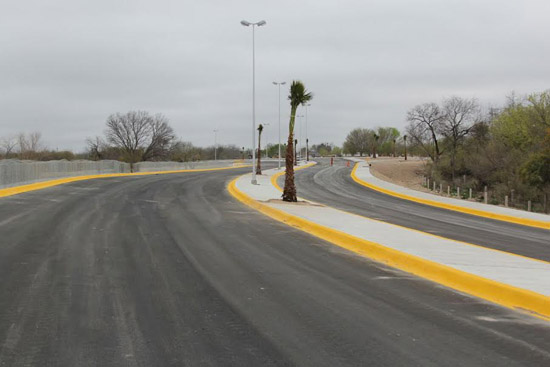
[361, 174]
[507, 279]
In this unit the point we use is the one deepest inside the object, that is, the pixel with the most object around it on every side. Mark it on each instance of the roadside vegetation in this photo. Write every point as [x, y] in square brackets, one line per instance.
[502, 151]
[30, 147]
[505, 151]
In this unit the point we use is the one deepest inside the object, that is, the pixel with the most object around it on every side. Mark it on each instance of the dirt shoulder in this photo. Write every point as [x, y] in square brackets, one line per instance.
[407, 173]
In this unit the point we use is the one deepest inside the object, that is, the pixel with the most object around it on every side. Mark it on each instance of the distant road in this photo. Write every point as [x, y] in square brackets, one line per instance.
[170, 270]
[333, 186]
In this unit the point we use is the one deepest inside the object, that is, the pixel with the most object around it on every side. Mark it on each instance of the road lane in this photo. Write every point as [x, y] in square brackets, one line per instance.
[333, 186]
[170, 270]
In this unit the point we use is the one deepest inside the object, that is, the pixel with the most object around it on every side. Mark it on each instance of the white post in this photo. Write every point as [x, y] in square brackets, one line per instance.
[458, 192]
[470, 196]
[529, 206]
[506, 201]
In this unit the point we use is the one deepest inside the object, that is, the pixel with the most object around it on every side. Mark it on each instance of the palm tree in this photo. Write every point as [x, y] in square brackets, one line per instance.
[298, 96]
[259, 165]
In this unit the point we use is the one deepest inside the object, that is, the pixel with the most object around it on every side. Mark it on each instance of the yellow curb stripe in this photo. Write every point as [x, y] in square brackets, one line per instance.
[45, 184]
[480, 213]
[279, 174]
[505, 295]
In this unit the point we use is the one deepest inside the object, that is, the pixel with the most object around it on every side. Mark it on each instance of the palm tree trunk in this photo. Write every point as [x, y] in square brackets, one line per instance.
[259, 165]
[289, 191]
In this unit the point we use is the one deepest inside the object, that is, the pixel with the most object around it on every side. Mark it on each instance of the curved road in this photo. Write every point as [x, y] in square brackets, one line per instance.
[170, 270]
[333, 186]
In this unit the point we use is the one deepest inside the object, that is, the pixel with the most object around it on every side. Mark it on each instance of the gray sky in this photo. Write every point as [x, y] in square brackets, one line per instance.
[65, 65]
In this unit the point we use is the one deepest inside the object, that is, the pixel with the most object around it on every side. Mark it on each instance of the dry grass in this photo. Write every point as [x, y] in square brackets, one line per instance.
[407, 173]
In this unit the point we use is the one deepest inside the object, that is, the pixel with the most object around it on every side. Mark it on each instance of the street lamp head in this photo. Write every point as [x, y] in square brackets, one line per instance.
[283, 83]
[245, 23]
[261, 23]
[275, 83]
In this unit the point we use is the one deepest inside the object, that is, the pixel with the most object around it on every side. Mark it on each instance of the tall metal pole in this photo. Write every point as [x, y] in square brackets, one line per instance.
[266, 124]
[279, 84]
[300, 141]
[307, 140]
[279, 156]
[299, 144]
[254, 182]
[215, 144]
[259, 24]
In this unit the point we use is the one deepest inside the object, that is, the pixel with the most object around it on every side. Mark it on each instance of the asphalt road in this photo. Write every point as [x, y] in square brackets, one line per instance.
[170, 270]
[333, 186]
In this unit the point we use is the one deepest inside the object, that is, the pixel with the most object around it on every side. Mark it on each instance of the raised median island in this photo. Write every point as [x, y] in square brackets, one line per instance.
[507, 279]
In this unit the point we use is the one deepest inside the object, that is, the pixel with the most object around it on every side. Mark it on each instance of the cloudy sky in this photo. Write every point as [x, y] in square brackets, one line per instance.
[65, 65]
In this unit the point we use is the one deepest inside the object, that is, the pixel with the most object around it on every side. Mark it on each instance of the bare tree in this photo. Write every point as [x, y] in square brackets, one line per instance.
[424, 127]
[459, 115]
[95, 148]
[29, 144]
[8, 145]
[162, 136]
[139, 135]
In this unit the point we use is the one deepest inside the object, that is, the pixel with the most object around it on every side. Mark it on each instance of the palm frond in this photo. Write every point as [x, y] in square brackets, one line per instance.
[298, 94]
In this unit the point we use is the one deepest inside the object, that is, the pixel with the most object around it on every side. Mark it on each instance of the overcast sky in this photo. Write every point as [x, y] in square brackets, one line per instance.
[65, 65]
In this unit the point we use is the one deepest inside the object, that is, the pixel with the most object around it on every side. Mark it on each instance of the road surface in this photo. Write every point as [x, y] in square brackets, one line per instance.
[170, 270]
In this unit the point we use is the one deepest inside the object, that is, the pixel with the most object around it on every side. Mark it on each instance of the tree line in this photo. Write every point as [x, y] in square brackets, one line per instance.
[373, 142]
[506, 149]
[131, 137]
[29, 146]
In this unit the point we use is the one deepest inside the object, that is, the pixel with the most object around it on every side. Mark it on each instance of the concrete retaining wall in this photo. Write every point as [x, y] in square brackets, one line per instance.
[15, 172]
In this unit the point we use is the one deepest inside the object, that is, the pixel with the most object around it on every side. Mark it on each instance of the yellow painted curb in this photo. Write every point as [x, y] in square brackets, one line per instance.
[279, 174]
[502, 294]
[45, 184]
[480, 213]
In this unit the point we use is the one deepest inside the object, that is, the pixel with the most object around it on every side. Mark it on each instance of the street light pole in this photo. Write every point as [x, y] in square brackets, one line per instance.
[259, 24]
[216, 144]
[279, 84]
[300, 136]
[266, 124]
[307, 140]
